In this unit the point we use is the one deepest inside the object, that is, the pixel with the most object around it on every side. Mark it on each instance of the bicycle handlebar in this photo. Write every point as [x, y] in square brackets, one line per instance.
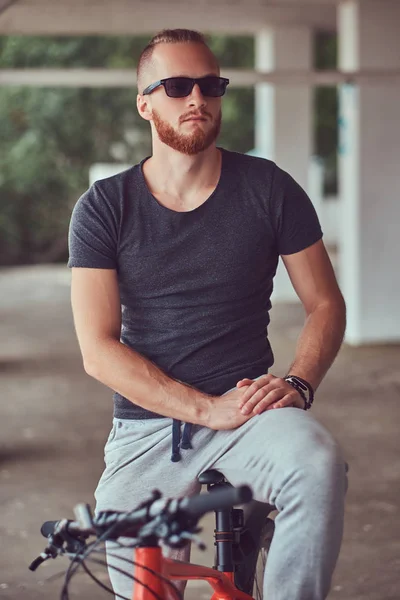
[220, 499]
[48, 528]
[189, 508]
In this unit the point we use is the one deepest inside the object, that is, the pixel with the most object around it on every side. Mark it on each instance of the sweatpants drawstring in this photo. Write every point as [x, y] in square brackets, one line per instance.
[187, 432]
[176, 439]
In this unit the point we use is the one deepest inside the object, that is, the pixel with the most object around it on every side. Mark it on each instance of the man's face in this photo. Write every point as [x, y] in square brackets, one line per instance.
[190, 124]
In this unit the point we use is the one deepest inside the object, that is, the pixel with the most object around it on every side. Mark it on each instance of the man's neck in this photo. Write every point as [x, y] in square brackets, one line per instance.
[182, 182]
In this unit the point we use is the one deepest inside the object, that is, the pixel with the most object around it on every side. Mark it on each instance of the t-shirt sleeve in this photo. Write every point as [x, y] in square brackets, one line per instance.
[93, 232]
[294, 217]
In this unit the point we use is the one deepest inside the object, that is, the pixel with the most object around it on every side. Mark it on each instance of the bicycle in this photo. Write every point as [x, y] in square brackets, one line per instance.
[240, 555]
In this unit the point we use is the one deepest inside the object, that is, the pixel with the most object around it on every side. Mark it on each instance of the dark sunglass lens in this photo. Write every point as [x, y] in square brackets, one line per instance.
[178, 87]
[212, 86]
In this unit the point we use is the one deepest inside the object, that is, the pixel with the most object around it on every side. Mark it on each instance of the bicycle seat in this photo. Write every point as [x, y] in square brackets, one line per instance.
[211, 476]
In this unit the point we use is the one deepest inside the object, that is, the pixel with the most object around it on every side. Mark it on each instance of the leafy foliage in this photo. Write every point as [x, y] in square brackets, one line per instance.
[326, 111]
[51, 136]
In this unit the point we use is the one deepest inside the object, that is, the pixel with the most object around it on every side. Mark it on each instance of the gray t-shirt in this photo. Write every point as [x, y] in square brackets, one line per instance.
[195, 286]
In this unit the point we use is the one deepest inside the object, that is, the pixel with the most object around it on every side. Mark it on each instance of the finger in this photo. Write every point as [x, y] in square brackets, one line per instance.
[255, 386]
[257, 396]
[265, 396]
[290, 400]
[247, 404]
[274, 405]
[244, 382]
[270, 402]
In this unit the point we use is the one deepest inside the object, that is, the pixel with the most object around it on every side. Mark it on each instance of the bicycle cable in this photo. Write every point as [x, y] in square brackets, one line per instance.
[69, 574]
[94, 578]
[81, 562]
[78, 560]
[145, 568]
[118, 570]
[72, 569]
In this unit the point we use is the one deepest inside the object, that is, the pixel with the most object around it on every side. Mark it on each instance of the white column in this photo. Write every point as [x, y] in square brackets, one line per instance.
[369, 33]
[283, 115]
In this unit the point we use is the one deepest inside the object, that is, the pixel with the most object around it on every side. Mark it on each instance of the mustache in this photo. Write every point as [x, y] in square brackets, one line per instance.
[196, 115]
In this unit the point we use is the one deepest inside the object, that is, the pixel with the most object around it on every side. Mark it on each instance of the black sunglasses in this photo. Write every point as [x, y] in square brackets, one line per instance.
[179, 87]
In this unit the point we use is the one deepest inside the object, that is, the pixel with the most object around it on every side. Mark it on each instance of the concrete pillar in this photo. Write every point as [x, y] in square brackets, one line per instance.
[369, 33]
[283, 115]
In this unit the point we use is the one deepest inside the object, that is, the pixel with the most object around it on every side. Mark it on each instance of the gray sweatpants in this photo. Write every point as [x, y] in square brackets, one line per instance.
[288, 459]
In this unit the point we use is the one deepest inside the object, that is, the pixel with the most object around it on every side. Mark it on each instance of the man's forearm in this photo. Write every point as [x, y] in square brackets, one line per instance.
[319, 342]
[143, 383]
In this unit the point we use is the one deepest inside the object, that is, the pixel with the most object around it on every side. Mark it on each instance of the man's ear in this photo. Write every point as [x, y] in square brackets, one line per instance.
[143, 107]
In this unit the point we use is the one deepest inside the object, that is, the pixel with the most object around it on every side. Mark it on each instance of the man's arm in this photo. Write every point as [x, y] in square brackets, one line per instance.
[97, 317]
[313, 278]
[314, 281]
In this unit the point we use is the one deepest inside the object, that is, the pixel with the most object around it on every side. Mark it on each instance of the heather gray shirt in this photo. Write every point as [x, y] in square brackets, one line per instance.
[195, 286]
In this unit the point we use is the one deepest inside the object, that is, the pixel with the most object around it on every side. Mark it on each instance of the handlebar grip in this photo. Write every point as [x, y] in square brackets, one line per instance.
[217, 500]
[48, 528]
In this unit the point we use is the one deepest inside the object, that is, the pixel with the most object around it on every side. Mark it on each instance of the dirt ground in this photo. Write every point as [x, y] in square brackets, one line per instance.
[55, 419]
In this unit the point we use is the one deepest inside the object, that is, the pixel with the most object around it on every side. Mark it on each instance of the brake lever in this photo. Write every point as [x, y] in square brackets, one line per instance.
[55, 546]
[39, 560]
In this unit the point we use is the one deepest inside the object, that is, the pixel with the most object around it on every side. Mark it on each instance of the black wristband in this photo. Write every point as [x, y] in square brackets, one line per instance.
[303, 388]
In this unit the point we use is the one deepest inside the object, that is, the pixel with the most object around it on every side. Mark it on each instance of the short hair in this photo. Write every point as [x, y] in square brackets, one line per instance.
[167, 36]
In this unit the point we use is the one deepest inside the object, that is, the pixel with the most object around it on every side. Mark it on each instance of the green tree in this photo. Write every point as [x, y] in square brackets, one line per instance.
[51, 136]
[326, 111]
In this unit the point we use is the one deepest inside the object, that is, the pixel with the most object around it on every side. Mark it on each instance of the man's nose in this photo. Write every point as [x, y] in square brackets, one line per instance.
[196, 98]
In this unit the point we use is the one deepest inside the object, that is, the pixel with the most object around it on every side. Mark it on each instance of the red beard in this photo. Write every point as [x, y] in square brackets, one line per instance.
[189, 144]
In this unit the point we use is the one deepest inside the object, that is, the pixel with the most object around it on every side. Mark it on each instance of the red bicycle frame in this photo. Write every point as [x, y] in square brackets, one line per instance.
[147, 559]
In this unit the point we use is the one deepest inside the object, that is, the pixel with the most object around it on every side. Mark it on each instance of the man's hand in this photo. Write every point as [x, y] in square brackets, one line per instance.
[265, 393]
[224, 411]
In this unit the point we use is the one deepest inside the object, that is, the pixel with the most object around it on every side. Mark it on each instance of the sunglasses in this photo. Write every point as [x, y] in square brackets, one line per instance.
[180, 87]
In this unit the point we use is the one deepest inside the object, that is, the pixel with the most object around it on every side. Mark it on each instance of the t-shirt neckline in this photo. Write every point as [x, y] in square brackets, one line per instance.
[198, 208]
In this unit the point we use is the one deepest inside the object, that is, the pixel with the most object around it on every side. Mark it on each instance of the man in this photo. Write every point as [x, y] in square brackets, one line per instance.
[172, 268]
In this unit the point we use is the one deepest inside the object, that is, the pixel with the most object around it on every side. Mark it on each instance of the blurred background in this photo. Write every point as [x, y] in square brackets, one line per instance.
[61, 132]
[315, 86]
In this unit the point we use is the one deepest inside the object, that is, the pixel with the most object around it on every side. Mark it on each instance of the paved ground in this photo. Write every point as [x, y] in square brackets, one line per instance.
[54, 421]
